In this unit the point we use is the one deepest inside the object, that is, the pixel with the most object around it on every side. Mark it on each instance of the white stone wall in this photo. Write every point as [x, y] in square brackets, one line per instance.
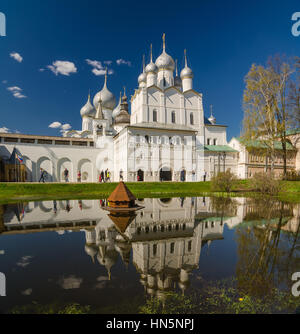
[54, 159]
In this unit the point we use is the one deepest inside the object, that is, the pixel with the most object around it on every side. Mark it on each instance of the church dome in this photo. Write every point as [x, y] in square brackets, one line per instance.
[90, 250]
[177, 82]
[186, 71]
[107, 97]
[117, 109]
[212, 119]
[88, 110]
[142, 77]
[151, 67]
[165, 61]
[123, 117]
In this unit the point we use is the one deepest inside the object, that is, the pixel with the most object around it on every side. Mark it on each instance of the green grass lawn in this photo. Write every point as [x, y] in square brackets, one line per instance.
[11, 192]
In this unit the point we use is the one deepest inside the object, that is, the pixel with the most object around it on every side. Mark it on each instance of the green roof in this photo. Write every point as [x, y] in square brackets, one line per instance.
[219, 148]
[292, 132]
[261, 144]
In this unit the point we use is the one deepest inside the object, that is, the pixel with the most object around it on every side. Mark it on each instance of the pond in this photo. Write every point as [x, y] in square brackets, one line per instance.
[57, 253]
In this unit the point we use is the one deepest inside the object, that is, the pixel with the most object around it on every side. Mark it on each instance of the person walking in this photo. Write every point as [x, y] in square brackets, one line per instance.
[204, 176]
[108, 176]
[42, 175]
[121, 176]
[79, 176]
[102, 176]
[105, 175]
[66, 175]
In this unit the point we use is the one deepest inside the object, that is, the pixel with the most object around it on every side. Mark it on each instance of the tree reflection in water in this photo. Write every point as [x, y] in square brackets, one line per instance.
[267, 256]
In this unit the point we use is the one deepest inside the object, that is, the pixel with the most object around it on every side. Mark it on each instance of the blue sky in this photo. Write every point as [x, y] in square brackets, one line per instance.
[222, 38]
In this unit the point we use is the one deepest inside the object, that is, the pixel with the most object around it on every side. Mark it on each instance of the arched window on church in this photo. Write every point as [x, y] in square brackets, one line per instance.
[164, 82]
[173, 117]
[147, 139]
[154, 115]
[191, 118]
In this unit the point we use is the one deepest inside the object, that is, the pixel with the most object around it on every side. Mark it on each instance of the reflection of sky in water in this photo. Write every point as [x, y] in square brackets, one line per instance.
[55, 266]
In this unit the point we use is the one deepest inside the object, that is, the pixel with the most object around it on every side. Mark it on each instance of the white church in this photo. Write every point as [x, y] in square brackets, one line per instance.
[165, 137]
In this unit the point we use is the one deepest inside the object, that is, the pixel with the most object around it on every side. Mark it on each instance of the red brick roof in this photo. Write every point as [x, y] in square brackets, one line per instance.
[121, 194]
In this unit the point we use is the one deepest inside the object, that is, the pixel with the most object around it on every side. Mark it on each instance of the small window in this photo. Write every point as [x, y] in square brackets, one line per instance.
[192, 118]
[208, 141]
[173, 117]
[190, 245]
[215, 141]
[154, 249]
[172, 247]
[147, 139]
[154, 116]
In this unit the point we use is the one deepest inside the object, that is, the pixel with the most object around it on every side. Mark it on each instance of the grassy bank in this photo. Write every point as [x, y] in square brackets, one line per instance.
[11, 192]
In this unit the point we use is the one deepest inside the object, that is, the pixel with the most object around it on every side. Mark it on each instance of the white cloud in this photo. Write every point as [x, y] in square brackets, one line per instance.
[98, 68]
[14, 88]
[95, 64]
[16, 56]
[66, 126]
[25, 261]
[27, 292]
[70, 282]
[16, 91]
[123, 62]
[4, 82]
[62, 67]
[4, 130]
[107, 62]
[55, 125]
[98, 72]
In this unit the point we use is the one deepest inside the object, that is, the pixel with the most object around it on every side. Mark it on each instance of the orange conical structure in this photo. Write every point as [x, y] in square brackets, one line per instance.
[121, 197]
[122, 220]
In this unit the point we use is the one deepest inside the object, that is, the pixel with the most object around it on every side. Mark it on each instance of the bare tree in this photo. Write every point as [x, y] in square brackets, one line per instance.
[267, 106]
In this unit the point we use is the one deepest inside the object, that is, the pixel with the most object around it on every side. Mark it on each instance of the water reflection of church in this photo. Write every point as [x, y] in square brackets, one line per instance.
[164, 238]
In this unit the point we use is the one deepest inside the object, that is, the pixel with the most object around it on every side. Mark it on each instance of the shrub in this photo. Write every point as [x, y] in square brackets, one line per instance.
[223, 181]
[172, 303]
[265, 183]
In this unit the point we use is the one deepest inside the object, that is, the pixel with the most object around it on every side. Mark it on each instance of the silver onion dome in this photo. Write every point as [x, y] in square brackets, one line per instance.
[151, 67]
[88, 110]
[212, 118]
[142, 77]
[117, 109]
[186, 71]
[107, 97]
[165, 61]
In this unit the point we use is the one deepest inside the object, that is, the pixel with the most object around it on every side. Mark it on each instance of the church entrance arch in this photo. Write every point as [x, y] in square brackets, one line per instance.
[165, 174]
[140, 175]
[183, 175]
